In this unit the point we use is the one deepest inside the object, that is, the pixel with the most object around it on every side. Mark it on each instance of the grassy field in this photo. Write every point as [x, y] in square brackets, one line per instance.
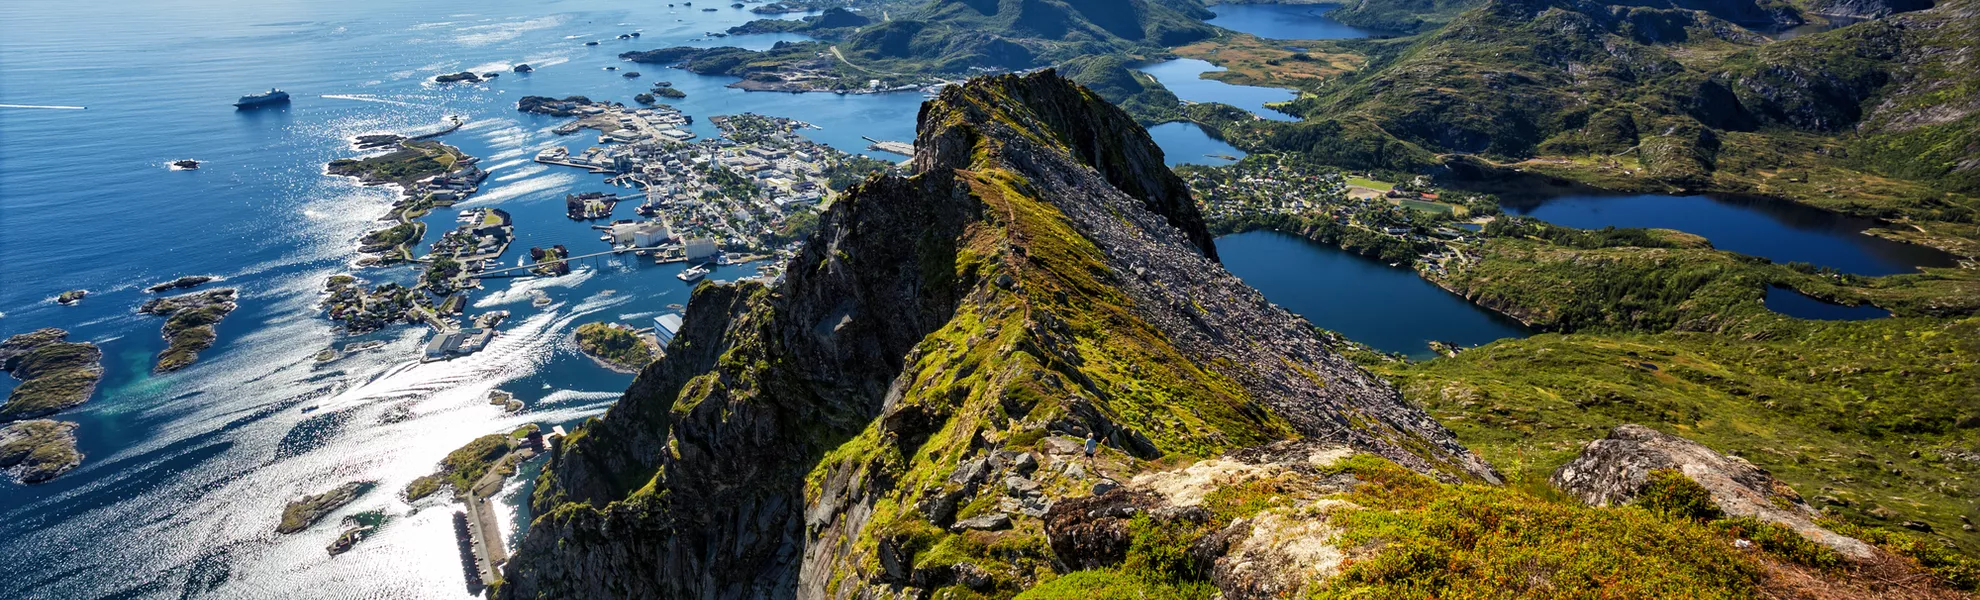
[1250, 60]
[1871, 420]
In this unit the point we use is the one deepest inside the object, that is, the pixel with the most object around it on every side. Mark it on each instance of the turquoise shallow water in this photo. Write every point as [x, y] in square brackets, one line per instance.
[186, 474]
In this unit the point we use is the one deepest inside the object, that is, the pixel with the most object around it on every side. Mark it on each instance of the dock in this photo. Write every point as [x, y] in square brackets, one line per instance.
[901, 148]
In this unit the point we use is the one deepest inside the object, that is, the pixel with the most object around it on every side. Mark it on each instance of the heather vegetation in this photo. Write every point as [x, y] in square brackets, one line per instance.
[1870, 419]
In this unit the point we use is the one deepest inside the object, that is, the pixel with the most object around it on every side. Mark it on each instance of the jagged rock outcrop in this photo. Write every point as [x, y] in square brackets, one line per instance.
[910, 378]
[1276, 553]
[1613, 470]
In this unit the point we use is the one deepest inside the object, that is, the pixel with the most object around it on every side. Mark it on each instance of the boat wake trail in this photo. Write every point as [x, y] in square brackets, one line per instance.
[43, 107]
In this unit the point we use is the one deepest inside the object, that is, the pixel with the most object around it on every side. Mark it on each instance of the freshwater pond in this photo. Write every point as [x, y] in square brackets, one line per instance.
[1388, 308]
[1778, 230]
[1186, 144]
[1184, 76]
[1284, 21]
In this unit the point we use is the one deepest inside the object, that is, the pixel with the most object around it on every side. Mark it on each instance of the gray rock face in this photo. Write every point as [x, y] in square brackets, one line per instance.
[1614, 470]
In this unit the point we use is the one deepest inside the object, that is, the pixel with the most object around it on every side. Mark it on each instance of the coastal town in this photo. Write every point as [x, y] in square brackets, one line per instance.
[746, 196]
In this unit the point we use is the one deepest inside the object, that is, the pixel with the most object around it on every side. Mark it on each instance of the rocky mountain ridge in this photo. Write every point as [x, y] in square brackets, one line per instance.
[1041, 275]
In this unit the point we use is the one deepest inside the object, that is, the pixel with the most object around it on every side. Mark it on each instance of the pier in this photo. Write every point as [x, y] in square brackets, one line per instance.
[901, 148]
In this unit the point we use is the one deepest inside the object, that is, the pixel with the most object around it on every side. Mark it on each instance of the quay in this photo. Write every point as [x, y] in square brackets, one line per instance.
[901, 148]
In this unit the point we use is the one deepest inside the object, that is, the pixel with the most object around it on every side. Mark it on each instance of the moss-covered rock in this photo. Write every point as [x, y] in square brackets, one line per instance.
[38, 450]
[615, 345]
[55, 374]
[189, 321]
[467, 464]
[305, 511]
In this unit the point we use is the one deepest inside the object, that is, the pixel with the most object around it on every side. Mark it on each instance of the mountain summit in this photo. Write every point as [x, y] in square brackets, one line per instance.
[1041, 277]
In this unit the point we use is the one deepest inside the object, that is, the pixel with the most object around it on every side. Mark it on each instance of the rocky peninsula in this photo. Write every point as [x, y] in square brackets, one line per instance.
[466, 465]
[616, 346]
[545, 105]
[360, 310]
[38, 450]
[189, 321]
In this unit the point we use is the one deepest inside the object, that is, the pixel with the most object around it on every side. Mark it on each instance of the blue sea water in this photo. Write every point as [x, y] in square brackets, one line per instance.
[1777, 230]
[186, 474]
[1284, 21]
[1388, 308]
[1184, 76]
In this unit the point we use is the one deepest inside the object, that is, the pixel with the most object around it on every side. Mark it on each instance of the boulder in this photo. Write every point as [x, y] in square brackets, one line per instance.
[1614, 470]
[1092, 532]
[986, 522]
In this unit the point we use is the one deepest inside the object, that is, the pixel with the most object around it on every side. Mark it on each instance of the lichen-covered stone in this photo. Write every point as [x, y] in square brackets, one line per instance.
[1616, 469]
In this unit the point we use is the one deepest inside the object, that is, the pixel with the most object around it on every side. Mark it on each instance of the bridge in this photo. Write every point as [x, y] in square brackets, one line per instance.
[525, 270]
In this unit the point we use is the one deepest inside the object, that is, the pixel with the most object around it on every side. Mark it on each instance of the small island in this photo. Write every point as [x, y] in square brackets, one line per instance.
[506, 400]
[38, 450]
[617, 346]
[71, 297]
[544, 105]
[523, 68]
[55, 374]
[668, 92]
[182, 283]
[305, 511]
[189, 321]
[461, 77]
[361, 310]
[185, 164]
